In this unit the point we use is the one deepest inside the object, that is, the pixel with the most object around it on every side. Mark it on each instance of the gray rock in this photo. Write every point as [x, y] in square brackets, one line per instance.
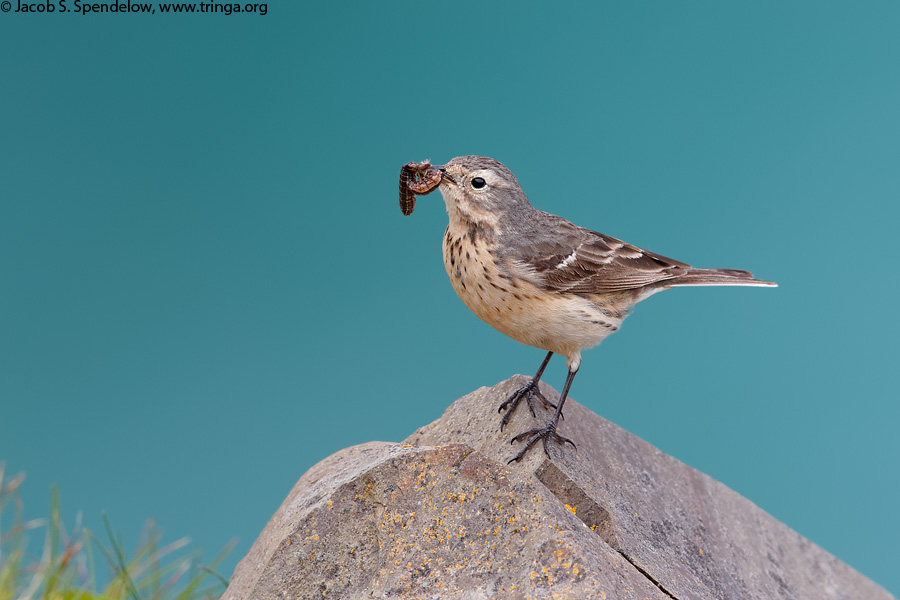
[443, 516]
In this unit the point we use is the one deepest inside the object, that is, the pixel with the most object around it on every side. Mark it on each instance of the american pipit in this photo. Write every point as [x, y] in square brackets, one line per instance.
[538, 278]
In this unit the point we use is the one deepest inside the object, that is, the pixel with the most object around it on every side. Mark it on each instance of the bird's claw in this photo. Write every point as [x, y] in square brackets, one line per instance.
[540, 433]
[529, 391]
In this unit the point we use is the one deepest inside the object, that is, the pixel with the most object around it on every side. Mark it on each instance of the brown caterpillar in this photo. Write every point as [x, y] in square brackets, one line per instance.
[417, 179]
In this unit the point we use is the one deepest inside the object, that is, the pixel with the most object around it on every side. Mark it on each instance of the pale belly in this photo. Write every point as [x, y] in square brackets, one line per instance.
[563, 324]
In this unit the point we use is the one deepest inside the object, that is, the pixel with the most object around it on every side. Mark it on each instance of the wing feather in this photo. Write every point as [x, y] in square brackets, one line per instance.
[577, 260]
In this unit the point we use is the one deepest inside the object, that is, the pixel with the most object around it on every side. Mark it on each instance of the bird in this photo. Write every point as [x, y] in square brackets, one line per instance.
[539, 278]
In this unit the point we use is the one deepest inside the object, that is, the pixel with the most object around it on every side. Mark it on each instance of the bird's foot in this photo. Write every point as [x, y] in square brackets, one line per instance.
[528, 391]
[541, 433]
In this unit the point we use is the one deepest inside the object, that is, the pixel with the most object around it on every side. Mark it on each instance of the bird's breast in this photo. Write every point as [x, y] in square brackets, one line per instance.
[479, 281]
[516, 307]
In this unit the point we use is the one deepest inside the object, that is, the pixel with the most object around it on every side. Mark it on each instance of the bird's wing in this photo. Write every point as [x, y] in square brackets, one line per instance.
[568, 258]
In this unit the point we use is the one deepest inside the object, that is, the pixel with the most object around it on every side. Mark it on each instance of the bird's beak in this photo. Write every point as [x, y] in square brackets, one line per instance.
[444, 175]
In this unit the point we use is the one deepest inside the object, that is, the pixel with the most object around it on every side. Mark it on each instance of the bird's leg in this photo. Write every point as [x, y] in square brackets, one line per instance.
[527, 391]
[549, 430]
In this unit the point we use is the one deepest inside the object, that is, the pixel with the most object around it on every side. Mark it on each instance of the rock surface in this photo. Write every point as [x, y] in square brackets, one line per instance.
[443, 516]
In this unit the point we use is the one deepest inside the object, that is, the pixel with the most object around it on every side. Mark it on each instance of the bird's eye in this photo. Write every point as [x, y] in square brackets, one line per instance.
[478, 183]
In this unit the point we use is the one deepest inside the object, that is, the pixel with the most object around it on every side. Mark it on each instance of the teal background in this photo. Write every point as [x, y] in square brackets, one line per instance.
[208, 286]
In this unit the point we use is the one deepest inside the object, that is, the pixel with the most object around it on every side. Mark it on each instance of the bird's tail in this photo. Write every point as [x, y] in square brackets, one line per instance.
[719, 277]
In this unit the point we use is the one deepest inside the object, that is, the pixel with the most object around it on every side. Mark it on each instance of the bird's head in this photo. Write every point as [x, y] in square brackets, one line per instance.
[480, 188]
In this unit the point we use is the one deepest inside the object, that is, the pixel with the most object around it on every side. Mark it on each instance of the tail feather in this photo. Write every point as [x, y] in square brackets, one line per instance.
[719, 277]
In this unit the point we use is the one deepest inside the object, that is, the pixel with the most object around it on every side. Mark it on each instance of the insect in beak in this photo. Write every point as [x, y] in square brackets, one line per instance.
[418, 179]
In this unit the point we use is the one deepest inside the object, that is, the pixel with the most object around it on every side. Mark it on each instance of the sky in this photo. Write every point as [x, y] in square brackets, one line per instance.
[207, 285]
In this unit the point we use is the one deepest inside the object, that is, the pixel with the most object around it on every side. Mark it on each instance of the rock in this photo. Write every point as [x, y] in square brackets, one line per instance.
[442, 516]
